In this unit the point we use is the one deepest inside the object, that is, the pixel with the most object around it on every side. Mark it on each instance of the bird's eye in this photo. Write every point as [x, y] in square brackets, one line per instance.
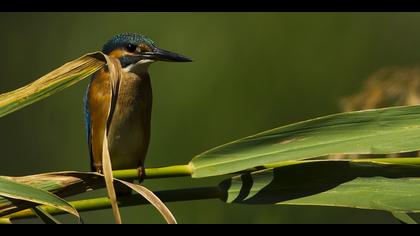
[131, 47]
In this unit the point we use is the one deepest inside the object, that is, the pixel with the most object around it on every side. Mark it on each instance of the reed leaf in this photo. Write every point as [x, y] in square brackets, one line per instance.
[53, 82]
[45, 216]
[20, 196]
[362, 185]
[70, 183]
[62, 78]
[379, 131]
[153, 199]
[404, 218]
[115, 69]
[5, 221]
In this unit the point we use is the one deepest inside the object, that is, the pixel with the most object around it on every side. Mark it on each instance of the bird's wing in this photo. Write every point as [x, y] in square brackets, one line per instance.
[87, 120]
[97, 106]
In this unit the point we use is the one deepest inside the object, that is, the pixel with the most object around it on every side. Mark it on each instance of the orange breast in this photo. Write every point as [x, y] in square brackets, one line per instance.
[129, 128]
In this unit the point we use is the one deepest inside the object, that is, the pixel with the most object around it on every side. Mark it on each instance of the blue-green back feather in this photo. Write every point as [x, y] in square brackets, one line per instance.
[87, 117]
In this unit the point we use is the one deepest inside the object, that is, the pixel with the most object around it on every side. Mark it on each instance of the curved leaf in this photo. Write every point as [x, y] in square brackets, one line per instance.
[18, 191]
[53, 82]
[68, 183]
[45, 216]
[115, 70]
[153, 199]
[380, 131]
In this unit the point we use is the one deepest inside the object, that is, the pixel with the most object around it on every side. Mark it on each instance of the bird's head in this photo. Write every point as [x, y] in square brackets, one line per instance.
[135, 50]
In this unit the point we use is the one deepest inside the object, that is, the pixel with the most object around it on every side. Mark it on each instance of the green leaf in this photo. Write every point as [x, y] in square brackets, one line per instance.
[404, 218]
[330, 183]
[45, 216]
[69, 183]
[62, 185]
[53, 82]
[380, 131]
[59, 79]
[4, 221]
[13, 191]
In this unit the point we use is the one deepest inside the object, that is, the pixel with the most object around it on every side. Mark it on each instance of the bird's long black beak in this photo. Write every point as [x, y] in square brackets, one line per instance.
[163, 55]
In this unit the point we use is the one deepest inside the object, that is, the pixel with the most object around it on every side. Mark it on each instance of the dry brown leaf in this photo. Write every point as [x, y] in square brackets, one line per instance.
[114, 68]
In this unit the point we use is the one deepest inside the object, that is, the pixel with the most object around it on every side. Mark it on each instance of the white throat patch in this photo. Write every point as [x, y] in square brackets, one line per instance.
[140, 67]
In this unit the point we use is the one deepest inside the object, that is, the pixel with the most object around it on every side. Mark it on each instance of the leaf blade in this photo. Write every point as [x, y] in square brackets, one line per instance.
[153, 199]
[404, 218]
[354, 185]
[114, 67]
[68, 183]
[53, 82]
[5, 221]
[379, 131]
[19, 191]
[45, 216]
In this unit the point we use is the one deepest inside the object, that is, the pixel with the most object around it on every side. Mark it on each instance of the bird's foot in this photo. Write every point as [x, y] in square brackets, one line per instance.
[141, 173]
[100, 170]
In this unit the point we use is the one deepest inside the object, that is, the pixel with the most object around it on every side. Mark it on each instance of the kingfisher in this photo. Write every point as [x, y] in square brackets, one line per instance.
[129, 126]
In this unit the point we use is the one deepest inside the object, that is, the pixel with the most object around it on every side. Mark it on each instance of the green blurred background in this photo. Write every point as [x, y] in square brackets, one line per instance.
[252, 72]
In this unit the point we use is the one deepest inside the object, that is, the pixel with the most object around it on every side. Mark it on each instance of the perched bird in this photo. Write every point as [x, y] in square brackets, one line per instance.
[129, 126]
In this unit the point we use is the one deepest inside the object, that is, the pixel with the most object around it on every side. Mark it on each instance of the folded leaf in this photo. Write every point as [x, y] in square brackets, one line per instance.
[114, 67]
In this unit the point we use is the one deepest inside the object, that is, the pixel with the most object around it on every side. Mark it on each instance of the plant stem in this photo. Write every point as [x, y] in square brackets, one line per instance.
[133, 200]
[187, 194]
[186, 170]
[153, 173]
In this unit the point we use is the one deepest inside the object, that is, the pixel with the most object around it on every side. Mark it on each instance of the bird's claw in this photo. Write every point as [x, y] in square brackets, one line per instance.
[141, 173]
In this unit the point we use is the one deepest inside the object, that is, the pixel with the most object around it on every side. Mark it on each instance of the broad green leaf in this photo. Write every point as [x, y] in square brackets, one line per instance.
[330, 183]
[45, 216]
[380, 131]
[53, 82]
[13, 191]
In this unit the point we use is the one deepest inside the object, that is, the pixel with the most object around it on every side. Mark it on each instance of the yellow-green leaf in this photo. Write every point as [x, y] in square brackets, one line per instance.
[69, 183]
[4, 221]
[53, 82]
[10, 189]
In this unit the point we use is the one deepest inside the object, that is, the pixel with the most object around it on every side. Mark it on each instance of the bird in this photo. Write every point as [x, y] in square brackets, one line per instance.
[128, 130]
